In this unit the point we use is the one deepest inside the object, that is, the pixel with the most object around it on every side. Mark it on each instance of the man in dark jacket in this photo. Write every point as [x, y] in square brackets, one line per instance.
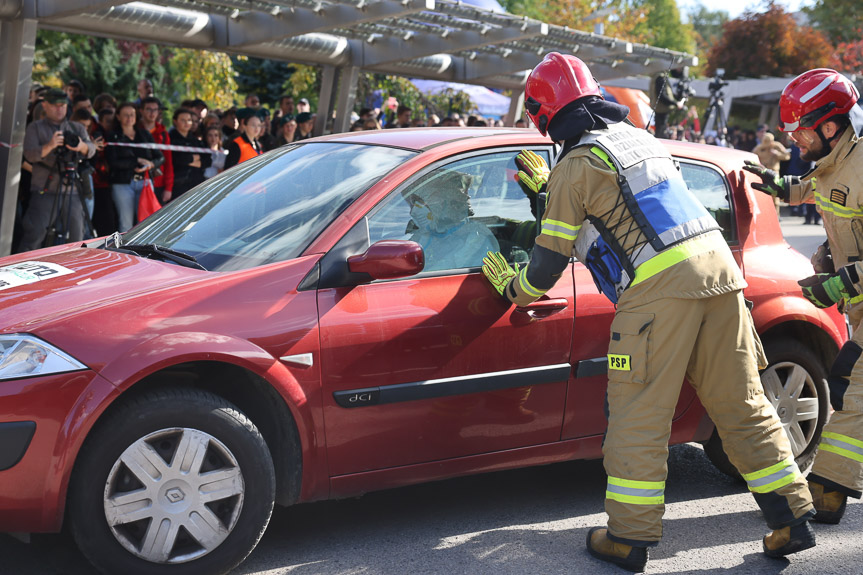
[188, 166]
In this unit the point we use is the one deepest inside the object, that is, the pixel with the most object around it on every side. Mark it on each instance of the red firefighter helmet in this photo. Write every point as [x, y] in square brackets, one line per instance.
[813, 97]
[555, 82]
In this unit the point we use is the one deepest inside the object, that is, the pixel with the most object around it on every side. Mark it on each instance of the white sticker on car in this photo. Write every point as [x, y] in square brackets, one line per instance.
[24, 273]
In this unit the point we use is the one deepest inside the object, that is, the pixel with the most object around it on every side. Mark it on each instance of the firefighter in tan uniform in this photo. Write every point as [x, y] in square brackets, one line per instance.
[818, 109]
[616, 198]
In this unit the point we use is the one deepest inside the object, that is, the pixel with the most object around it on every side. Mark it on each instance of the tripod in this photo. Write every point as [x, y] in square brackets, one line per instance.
[716, 112]
[71, 185]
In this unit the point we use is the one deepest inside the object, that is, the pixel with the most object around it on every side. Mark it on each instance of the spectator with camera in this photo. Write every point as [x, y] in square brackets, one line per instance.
[129, 165]
[54, 147]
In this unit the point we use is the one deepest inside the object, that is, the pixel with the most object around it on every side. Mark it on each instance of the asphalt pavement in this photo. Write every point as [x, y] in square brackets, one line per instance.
[802, 237]
[521, 522]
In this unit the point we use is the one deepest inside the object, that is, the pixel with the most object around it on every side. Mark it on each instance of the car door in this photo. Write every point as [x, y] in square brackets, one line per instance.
[438, 365]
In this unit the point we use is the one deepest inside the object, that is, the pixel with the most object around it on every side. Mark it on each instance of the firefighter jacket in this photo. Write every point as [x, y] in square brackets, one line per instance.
[835, 185]
[666, 242]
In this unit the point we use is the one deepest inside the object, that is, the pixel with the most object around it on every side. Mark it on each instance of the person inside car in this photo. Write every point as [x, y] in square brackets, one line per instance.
[441, 224]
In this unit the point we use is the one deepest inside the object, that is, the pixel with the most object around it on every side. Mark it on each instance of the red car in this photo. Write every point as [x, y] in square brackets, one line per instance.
[313, 324]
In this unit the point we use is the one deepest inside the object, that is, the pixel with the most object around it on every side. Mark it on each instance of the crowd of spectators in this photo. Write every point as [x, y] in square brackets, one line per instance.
[116, 157]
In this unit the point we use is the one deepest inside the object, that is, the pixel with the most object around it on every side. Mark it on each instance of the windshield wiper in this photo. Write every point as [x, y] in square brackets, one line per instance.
[167, 253]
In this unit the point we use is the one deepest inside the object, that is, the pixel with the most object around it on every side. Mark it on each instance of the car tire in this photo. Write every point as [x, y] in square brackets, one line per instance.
[185, 460]
[789, 360]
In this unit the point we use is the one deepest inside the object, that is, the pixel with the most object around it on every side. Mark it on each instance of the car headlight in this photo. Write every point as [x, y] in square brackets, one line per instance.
[23, 355]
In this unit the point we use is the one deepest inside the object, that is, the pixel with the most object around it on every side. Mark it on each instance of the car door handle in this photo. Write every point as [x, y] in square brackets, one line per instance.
[543, 307]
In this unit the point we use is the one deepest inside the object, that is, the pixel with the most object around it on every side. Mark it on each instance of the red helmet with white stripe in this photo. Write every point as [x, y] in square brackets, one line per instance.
[555, 82]
[813, 97]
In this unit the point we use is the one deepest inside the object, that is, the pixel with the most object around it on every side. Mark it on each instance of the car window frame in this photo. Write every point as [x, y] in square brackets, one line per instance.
[419, 174]
[734, 236]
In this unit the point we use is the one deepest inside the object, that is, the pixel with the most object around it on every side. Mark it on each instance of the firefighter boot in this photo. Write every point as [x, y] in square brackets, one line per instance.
[788, 540]
[829, 505]
[629, 557]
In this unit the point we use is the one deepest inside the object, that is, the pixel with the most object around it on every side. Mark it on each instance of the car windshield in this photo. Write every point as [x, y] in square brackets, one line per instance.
[269, 208]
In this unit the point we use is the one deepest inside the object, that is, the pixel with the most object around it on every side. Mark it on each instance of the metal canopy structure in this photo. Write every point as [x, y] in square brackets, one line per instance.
[431, 39]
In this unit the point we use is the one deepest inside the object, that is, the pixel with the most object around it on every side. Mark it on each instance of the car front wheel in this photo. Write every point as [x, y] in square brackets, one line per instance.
[177, 481]
[795, 384]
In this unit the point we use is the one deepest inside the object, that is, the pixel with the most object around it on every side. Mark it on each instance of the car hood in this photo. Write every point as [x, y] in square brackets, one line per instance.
[48, 285]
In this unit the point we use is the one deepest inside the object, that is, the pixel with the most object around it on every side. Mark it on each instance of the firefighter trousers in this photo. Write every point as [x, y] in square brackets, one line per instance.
[839, 462]
[711, 342]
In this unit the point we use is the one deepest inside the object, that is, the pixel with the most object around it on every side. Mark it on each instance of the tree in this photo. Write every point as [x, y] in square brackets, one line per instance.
[768, 44]
[205, 75]
[662, 26]
[848, 57]
[266, 78]
[707, 29]
[840, 20]
[97, 62]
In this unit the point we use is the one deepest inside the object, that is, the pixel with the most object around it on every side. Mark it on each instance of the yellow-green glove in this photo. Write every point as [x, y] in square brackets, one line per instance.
[532, 171]
[824, 290]
[498, 272]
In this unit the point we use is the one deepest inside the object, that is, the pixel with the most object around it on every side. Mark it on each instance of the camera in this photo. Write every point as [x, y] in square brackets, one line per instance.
[68, 159]
[718, 81]
[70, 138]
[684, 89]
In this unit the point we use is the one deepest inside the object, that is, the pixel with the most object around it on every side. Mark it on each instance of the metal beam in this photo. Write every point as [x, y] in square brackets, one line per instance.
[260, 27]
[347, 97]
[46, 9]
[417, 45]
[485, 65]
[516, 108]
[325, 99]
[17, 46]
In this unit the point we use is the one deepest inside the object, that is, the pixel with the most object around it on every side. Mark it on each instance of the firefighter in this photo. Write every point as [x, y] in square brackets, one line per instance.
[617, 200]
[818, 110]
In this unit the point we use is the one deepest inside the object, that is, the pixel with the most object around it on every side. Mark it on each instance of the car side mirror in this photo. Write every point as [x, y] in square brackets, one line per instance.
[389, 259]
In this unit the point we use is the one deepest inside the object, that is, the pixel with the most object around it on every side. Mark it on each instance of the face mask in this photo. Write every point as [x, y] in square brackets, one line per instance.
[422, 216]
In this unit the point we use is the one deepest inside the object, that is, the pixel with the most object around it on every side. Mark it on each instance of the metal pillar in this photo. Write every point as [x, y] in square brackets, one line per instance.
[516, 108]
[17, 45]
[325, 100]
[347, 97]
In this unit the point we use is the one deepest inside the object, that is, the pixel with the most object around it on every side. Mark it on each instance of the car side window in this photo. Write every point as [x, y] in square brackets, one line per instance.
[710, 187]
[460, 210]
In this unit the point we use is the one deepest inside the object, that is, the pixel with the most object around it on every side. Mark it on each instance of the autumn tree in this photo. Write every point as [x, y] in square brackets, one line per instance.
[840, 20]
[768, 44]
[201, 74]
[848, 56]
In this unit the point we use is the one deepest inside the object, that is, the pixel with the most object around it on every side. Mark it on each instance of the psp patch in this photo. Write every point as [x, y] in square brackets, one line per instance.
[619, 362]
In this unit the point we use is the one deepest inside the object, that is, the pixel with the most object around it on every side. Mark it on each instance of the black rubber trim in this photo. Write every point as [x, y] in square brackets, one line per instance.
[434, 388]
[14, 440]
[592, 367]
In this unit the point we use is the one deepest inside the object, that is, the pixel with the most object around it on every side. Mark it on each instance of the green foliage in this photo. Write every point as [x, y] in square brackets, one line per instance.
[707, 30]
[663, 28]
[266, 78]
[97, 62]
[840, 20]
[205, 75]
